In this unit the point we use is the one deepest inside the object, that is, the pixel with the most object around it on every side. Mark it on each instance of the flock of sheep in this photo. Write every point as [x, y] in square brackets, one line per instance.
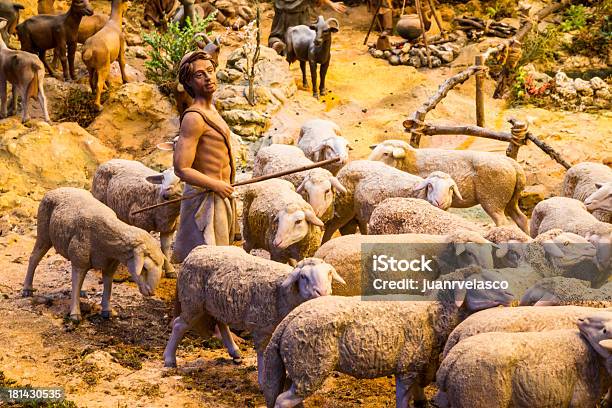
[279, 285]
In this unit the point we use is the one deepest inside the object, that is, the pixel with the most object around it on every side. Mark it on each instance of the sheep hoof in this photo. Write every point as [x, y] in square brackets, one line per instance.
[170, 364]
[27, 292]
[420, 404]
[76, 318]
[322, 92]
[316, 95]
[98, 107]
[237, 360]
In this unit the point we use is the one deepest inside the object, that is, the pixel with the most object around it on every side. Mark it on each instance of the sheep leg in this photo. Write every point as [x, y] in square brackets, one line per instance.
[101, 75]
[322, 74]
[13, 110]
[418, 394]
[228, 341]
[62, 49]
[288, 399]
[303, 68]
[107, 280]
[179, 328]
[497, 215]
[313, 77]
[78, 276]
[43, 58]
[41, 247]
[402, 393]
[518, 217]
[3, 110]
[165, 240]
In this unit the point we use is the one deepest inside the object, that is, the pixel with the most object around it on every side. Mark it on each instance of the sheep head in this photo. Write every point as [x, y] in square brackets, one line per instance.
[293, 224]
[82, 7]
[393, 153]
[146, 265]
[479, 299]
[471, 249]
[313, 278]
[567, 249]
[335, 146]
[319, 187]
[597, 329]
[601, 199]
[170, 184]
[603, 245]
[439, 189]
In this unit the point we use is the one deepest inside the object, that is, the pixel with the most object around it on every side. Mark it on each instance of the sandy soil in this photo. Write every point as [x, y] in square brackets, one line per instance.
[117, 363]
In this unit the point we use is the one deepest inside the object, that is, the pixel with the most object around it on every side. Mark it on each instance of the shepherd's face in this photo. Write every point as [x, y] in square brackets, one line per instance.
[203, 79]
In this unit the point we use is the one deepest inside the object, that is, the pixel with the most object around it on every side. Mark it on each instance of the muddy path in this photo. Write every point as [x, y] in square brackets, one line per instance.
[118, 363]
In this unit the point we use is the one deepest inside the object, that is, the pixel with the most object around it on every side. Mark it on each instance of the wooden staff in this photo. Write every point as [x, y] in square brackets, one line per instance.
[420, 14]
[365, 41]
[245, 182]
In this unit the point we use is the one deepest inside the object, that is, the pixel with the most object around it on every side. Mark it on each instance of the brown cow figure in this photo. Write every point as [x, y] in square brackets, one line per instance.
[44, 32]
[26, 74]
[103, 48]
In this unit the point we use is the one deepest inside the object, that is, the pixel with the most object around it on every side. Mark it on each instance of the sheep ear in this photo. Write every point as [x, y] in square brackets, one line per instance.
[502, 251]
[456, 191]
[460, 295]
[136, 262]
[313, 219]
[373, 146]
[292, 277]
[302, 186]
[156, 179]
[421, 185]
[2, 23]
[598, 185]
[552, 249]
[606, 344]
[336, 276]
[337, 185]
[349, 147]
[335, 26]
[459, 248]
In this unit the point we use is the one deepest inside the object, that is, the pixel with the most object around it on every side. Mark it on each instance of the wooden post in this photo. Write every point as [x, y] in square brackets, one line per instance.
[419, 8]
[480, 78]
[519, 133]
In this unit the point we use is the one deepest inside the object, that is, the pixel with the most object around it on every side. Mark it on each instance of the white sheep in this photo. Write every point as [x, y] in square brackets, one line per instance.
[368, 183]
[317, 186]
[228, 287]
[517, 319]
[367, 339]
[489, 179]
[277, 219]
[90, 236]
[560, 290]
[591, 183]
[321, 139]
[533, 369]
[127, 186]
[447, 252]
[571, 215]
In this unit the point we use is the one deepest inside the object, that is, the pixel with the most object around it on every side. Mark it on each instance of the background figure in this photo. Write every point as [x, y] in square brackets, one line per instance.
[289, 13]
[385, 14]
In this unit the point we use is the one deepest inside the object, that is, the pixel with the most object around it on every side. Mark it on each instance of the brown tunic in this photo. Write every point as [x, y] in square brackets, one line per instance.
[208, 219]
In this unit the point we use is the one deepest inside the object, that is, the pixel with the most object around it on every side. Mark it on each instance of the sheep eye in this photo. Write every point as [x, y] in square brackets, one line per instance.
[298, 221]
[328, 191]
[604, 330]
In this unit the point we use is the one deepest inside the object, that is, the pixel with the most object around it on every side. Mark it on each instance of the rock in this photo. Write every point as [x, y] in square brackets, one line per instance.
[41, 157]
[435, 61]
[405, 59]
[415, 61]
[583, 87]
[394, 60]
[406, 48]
[396, 51]
[597, 83]
[387, 54]
[138, 52]
[132, 73]
[135, 118]
[564, 86]
[604, 93]
[378, 54]
[531, 196]
[446, 56]
[133, 39]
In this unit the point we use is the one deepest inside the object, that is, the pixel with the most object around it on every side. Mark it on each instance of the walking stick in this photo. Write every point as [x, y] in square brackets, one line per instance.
[373, 20]
[244, 182]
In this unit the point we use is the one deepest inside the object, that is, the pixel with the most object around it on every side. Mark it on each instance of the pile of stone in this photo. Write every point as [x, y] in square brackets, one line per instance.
[567, 93]
[274, 84]
[415, 55]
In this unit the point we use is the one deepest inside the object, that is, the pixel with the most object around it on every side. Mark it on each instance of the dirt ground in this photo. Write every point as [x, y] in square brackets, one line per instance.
[118, 363]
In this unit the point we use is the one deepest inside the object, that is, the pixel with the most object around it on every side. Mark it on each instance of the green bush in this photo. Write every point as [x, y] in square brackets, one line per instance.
[574, 17]
[595, 38]
[168, 48]
[501, 8]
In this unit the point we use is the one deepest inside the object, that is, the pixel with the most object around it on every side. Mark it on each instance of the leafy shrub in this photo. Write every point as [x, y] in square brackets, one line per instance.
[168, 48]
[575, 17]
[595, 38]
[540, 46]
[501, 9]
